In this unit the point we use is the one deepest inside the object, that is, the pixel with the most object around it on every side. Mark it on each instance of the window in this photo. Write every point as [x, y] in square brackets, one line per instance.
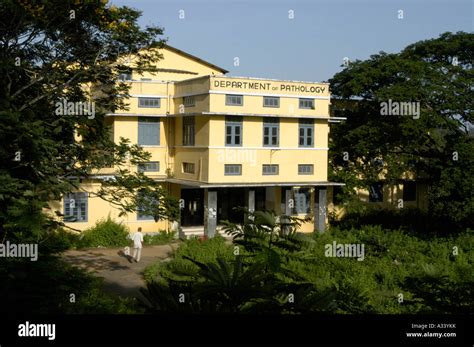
[188, 168]
[188, 130]
[305, 169]
[376, 192]
[233, 131]
[301, 198]
[149, 102]
[149, 131]
[151, 166]
[270, 169]
[144, 204]
[270, 101]
[306, 133]
[188, 101]
[234, 100]
[75, 207]
[302, 201]
[307, 103]
[233, 169]
[125, 76]
[409, 191]
[271, 131]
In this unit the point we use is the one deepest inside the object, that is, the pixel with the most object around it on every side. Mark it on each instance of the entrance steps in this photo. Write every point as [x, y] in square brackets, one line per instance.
[197, 231]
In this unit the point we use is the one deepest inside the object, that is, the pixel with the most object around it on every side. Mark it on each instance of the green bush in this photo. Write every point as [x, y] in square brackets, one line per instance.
[105, 233]
[150, 273]
[59, 241]
[402, 273]
[163, 237]
[203, 251]
[409, 219]
[424, 270]
[96, 301]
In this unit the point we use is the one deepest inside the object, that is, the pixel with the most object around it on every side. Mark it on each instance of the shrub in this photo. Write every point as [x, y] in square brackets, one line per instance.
[424, 270]
[59, 241]
[408, 219]
[163, 237]
[203, 251]
[96, 301]
[433, 273]
[106, 233]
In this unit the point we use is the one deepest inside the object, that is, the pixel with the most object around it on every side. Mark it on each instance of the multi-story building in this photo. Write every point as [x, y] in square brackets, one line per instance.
[218, 142]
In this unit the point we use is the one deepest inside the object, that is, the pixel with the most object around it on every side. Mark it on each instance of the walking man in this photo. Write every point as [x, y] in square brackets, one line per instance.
[137, 244]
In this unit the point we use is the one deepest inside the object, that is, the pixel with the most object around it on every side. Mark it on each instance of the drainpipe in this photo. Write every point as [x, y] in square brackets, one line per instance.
[167, 149]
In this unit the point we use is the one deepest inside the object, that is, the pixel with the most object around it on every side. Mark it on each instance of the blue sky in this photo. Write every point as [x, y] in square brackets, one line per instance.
[309, 47]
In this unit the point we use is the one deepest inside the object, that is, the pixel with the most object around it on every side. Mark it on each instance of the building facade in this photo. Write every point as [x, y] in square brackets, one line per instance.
[219, 142]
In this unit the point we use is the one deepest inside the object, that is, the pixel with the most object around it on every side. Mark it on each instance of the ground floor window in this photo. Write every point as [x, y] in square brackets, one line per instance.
[409, 191]
[142, 211]
[376, 192]
[75, 207]
[300, 200]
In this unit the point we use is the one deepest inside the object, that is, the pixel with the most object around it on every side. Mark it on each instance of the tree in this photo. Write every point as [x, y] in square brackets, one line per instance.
[431, 142]
[57, 52]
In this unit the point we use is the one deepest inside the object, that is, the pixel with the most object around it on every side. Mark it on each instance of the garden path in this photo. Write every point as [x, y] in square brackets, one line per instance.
[121, 276]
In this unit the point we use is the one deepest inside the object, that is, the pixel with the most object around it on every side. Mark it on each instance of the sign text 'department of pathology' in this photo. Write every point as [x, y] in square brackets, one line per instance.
[276, 87]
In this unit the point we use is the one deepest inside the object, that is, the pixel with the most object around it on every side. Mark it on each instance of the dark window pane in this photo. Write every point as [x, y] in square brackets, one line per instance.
[376, 192]
[409, 191]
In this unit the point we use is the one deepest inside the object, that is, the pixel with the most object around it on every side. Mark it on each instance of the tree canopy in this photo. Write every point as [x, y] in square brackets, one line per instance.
[432, 80]
[58, 51]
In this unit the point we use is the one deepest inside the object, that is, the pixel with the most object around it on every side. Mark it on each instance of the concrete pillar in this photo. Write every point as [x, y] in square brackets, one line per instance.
[287, 212]
[210, 212]
[287, 202]
[249, 201]
[320, 210]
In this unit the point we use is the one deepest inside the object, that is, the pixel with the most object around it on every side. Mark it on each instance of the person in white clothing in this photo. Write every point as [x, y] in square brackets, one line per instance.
[137, 244]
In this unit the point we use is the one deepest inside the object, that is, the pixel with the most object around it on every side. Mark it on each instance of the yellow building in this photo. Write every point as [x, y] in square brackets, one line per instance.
[218, 142]
[408, 193]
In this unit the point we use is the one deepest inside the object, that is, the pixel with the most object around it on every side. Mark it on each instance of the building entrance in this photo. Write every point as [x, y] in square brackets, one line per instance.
[193, 212]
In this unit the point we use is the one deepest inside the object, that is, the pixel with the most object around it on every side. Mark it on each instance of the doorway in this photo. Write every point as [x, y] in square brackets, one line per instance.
[193, 212]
